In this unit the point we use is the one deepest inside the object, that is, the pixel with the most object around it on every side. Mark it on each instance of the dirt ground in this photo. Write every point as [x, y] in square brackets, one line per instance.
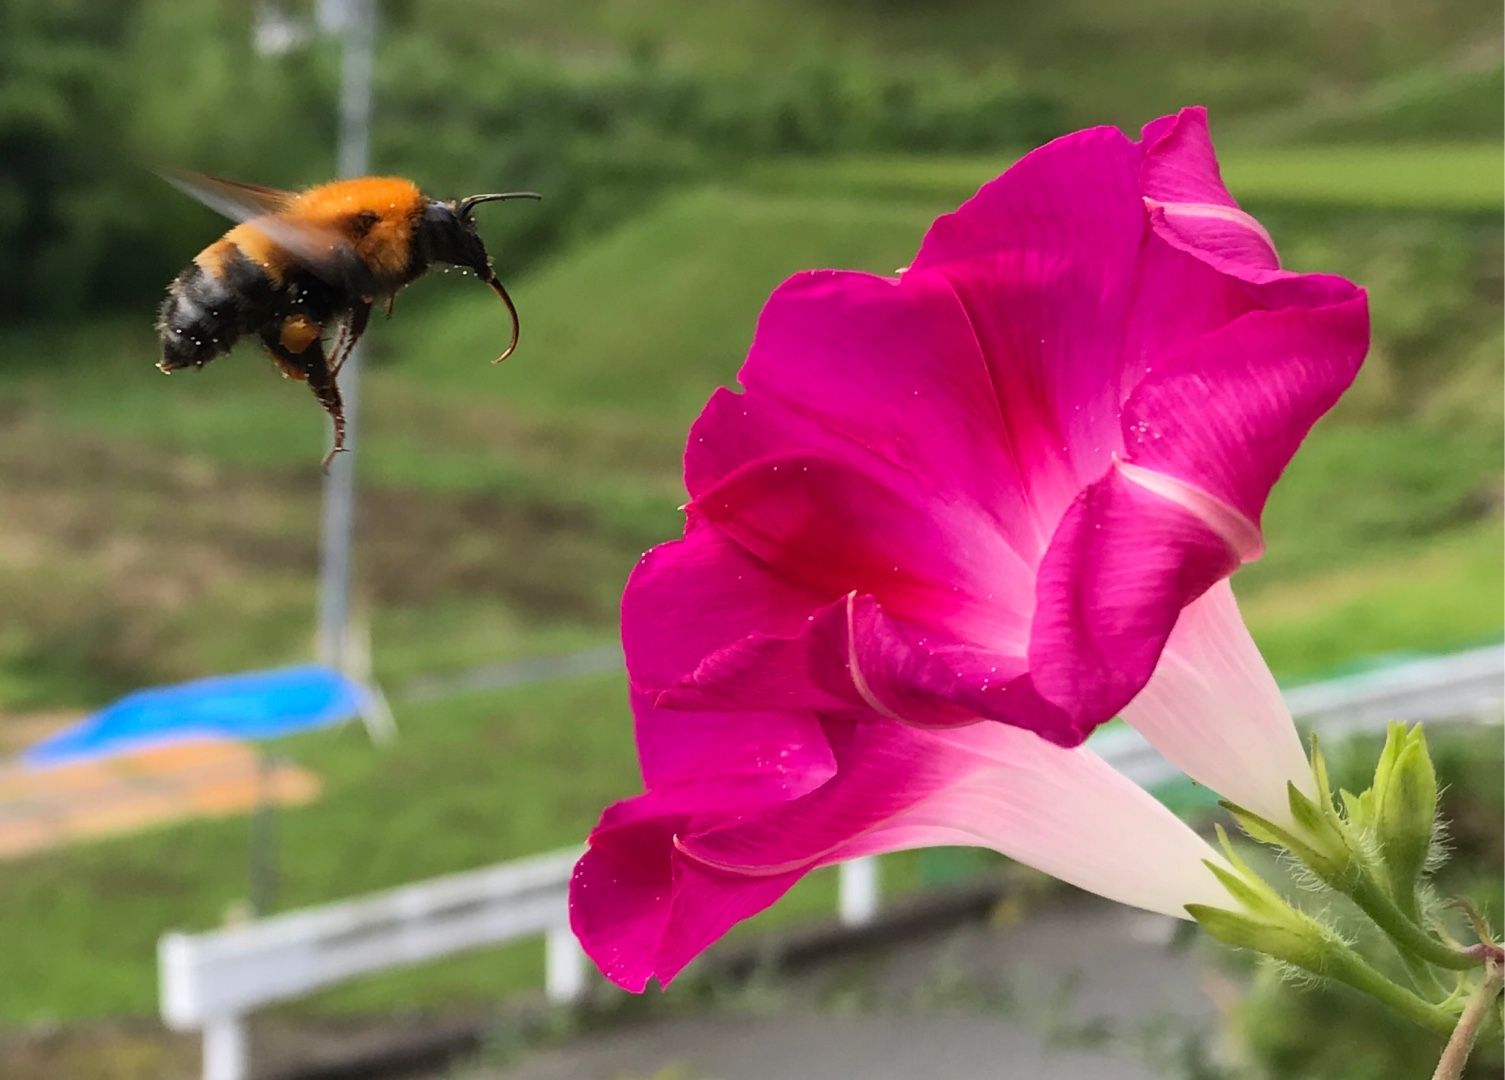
[1084, 990]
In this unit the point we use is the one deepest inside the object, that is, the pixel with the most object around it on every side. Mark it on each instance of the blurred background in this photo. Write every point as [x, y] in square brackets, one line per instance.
[692, 154]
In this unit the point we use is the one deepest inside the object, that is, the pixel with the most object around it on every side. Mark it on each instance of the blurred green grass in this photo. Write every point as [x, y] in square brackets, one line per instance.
[1465, 176]
[157, 529]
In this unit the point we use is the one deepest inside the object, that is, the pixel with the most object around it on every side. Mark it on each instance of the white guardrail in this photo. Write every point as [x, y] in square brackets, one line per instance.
[211, 982]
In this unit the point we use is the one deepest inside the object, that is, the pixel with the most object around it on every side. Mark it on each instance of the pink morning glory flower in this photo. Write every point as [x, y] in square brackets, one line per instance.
[1007, 485]
[740, 806]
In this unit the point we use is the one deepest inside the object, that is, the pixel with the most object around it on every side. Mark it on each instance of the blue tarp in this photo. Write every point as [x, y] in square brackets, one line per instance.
[257, 705]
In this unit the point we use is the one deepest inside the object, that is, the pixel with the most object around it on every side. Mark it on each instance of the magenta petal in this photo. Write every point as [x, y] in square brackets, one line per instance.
[619, 896]
[931, 679]
[1122, 565]
[1228, 412]
[1051, 329]
[833, 527]
[1189, 205]
[734, 429]
[852, 366]
[852, 657]
[750, 757]
[1179, 162]
[708, 903]
[691, 597]
[848, 657]
[642, 910]
[883, 769]
[1043, 262]
[1075, 197]
[809, 669]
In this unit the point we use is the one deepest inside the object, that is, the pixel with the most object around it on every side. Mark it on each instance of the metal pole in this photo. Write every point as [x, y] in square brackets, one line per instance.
[227, 1051]
[262, 879]
[857, 892]
[564, 966]
[358, 25]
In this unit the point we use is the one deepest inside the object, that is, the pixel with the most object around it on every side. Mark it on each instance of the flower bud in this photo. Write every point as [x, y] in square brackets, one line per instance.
[1404, 804]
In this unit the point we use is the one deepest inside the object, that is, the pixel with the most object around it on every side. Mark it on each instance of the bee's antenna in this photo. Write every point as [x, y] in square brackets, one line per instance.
[465, 206]
[500, 290]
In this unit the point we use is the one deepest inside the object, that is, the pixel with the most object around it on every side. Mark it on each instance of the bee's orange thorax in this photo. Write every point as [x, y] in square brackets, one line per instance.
[377, 214]
[386, 245]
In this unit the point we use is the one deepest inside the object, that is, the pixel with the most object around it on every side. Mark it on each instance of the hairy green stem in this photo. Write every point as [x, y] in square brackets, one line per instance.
[1412, 939]
[1461, 1042]
[1345, 965]
[1422, 977]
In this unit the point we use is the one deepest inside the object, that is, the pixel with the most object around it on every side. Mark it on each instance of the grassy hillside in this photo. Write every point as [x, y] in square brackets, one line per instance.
[157, 528]
[179, 529]
[161, 528]
[1286, 65]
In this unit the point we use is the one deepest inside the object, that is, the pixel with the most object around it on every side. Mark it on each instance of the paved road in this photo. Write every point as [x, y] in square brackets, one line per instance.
[1086, 991]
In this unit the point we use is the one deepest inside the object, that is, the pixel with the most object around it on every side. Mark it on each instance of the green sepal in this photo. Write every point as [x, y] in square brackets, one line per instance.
[1304, 812]
[1255, 897]
[1319, 773]
[1356, 807]
[1332, 862]
[1256, 827]
[1300, 943]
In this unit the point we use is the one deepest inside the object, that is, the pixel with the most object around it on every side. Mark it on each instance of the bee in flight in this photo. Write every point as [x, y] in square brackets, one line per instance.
[300, 263]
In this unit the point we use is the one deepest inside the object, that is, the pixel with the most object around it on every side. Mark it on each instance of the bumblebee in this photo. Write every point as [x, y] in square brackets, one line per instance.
[301, 263]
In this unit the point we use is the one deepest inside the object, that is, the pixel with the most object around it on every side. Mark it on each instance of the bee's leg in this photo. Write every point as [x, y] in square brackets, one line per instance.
[340, 346]
[322, 382]
[350, 333]
[300, 355]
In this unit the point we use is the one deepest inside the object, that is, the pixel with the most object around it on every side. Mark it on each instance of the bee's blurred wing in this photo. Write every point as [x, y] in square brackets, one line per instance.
[324, 251]
[237, 201]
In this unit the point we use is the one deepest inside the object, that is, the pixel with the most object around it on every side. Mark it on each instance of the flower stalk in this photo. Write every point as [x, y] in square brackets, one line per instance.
[1461, 1043]
[1347, 966]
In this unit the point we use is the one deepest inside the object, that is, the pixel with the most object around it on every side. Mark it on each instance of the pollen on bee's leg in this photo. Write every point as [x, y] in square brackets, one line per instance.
[298, 332]
[289, 367]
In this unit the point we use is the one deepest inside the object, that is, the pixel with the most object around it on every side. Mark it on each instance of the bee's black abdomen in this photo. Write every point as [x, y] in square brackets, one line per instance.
[205, 311]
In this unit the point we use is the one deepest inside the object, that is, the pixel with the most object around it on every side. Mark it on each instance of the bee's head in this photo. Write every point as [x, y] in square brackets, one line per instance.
[448, 231]
[448, 234]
